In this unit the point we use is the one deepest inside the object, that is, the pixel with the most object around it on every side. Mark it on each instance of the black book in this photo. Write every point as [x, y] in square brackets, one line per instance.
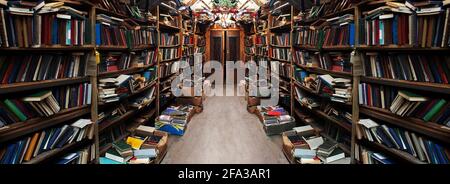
[295, 139]
[154, 139]
[384, 138]
[14, 72]
[65, 137]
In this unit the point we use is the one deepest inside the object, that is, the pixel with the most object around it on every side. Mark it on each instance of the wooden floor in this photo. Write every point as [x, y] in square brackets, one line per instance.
[225, 133]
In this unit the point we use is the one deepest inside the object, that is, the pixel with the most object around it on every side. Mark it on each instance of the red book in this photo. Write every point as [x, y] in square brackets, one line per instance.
[377, 32]
[72, 31]
[80, 94]
[441, 73]
[23, 65]
[427, 70]
[369, 95]
[274, 113]
[8, 73]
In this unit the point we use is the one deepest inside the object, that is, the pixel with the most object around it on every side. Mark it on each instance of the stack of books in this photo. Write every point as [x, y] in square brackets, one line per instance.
[412, 67]
[342, 90]
[416, 145]
[282, 39]
[34, 24]
[121, 7]
[44, 103]
[275, 120]
[40, 142]
[417, 24]
[174, 120]
[133, 150]
[38, 67]
[110, 89]
[169, 39]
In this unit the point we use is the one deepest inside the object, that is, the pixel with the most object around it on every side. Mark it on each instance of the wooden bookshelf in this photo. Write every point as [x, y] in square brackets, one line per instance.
[48, 48]
[27, 86]
[423, 86]
[401, 48]
[112, 48]
[436, 131]
[401, 156]
[36, 124]
[50, 155]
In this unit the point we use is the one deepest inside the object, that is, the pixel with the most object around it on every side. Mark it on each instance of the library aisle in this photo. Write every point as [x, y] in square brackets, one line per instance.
[225, 133]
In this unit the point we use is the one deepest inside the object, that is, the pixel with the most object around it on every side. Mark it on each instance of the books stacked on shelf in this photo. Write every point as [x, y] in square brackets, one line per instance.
[108, 115]
[144, 58]
[114, 61]
[412, 67]
[169, 53]
[339, 89]
[143, 100]
[376, 95]
[417, 24]
[169, 39]
[415, 145]
[261, 40]
[188, 39]
[187, 51]
[142, 80]
[335, 61]
[44, 103]
[305, 58]
[148, 146]
[281, 39]
[326, 8]
[83, 156]
[32, 146]
[109, 31]
[40, 24]
[121, 7]
[169, 20]
[367, 156]
[406, 103]
[283, 54]
[142, 36]
[281, 20]
[167, 69]
[275, 119]
[174, 119]
[38, 67]
[261, 50]
[111, 89]
[283, 70]
[338, 114]
[339, 31]
[309, 35]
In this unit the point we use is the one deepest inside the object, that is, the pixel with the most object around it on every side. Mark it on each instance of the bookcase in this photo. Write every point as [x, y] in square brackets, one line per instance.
[334, 38]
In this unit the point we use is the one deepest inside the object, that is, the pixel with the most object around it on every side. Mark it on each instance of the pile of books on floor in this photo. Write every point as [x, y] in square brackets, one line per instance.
[303, 145]
[411, 143]
[174, 120]
[110, 89]
[340, 89]
[147, 146]
[275, 120]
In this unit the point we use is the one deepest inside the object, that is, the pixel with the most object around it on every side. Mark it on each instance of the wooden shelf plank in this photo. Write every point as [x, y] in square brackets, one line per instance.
[401, 48]
[318, 70]
[280, 46]
[281, 60]
[433, 130]
[49, 48]
[25, 86]
[423, 86]
[169, 46]
[23, 128]
[112, 48]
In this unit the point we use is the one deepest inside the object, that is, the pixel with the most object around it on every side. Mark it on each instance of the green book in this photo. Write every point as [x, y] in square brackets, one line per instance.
[121, 145]
[433, 111]
[38, 96]
[13, 108]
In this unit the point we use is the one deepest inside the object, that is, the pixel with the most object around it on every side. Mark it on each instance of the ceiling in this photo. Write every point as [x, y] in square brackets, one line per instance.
[242, 4]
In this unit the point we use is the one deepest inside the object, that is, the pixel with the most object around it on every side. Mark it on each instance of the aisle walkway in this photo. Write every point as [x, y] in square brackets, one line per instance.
[225, 133]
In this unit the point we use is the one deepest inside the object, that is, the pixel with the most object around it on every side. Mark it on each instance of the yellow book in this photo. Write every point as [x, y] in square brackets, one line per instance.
[32, 147]
[135, 143]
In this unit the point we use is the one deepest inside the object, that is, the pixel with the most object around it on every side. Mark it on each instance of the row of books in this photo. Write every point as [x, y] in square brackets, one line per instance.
[415, 145]
[187, 51]
[169, 53]
[261, 39]
[169, 39]
[112, 89]
[333, 61]
[309, 148]
[262, 51]
[123, 8]
[188, 39]
[323, 8]
[38, 67]
[280, 53]
[405, 103]
[167, 69]
[282, 69]
[412, 67]
[83, 156]
[340, 31]
[44, 24]
[405, 24]
[174, 119]
[250, 50]
[282, 39]
[40, 142]
[367, 156]
[44, 104]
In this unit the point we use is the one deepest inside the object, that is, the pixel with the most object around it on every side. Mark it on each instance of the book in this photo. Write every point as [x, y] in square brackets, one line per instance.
[114, 155]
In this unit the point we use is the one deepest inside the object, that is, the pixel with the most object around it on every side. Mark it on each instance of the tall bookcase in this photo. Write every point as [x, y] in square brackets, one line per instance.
[435, 132]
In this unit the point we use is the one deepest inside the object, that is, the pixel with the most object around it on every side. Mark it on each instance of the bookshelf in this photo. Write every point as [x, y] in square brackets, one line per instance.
[437, 133]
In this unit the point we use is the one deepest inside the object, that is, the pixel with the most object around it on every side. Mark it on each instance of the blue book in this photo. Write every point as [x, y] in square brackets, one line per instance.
[64, 138]
[381, 158]
[53, 138]
[431, 152]
[381, 32]
[104, 160]
[352, 34]
[12, 77]
[442, 155]
[145, 153]
[396, 138]
[12, 35]
[304, 153]
[98, 40]
[437, 31]
[435, 72]
[68, 33]
[55, 35]
[48, 133]
[9, 154]
[69, 158]
[17, 151]
[384, 138]
[394, 30]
